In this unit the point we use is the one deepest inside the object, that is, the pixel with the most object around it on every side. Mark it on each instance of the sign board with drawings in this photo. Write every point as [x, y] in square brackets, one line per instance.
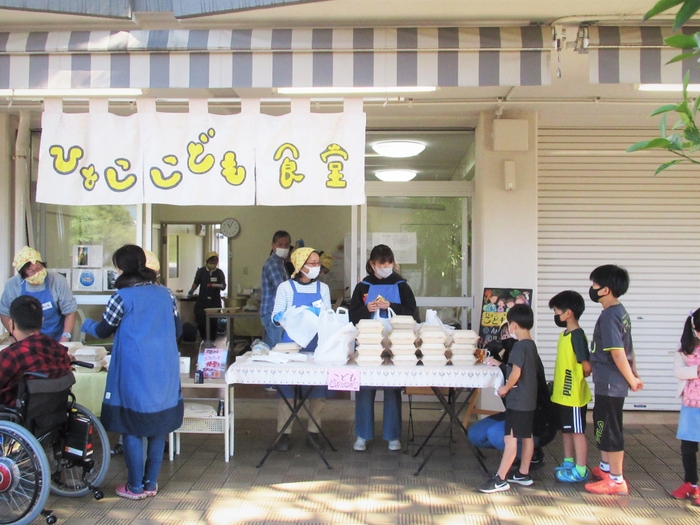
[494, 308]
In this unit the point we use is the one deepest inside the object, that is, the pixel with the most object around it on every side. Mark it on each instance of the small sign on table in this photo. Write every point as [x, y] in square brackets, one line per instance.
[344, 378]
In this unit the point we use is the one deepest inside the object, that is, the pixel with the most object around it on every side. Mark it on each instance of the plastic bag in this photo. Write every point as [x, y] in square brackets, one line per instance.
[329, 323]
[258, 347]
[432, 319]
[385, 320]
[301, 325]
[336, 349]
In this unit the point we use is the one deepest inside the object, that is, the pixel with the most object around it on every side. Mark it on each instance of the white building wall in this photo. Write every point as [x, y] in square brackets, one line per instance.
[504, 231]
[7, 227]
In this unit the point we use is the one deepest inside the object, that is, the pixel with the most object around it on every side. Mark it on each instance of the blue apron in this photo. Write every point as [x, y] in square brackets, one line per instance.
[390, 292]
[53, 320]
[305, 299]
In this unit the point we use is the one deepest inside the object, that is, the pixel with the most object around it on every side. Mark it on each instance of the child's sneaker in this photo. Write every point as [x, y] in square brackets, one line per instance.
[123, 491]
[607, 486]
[566, 465]
[597, 473]
[520, 479]
[571, 475]
[495, 484]
[686, 491]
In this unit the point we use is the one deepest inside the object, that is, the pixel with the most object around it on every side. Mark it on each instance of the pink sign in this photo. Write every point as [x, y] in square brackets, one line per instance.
[344, 378]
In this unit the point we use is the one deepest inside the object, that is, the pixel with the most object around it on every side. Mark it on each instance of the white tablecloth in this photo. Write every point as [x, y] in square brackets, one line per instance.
[309, 373]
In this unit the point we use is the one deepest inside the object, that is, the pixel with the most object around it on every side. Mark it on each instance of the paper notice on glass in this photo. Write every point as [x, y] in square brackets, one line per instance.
[403, 244]
[344, 378]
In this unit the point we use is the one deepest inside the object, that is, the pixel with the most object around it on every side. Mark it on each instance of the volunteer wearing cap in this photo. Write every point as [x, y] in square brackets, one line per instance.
[274, 273]
[50, 288]
[303, 289]
[211, 282]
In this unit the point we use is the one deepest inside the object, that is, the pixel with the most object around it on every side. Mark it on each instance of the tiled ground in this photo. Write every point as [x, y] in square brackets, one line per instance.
[378, 486]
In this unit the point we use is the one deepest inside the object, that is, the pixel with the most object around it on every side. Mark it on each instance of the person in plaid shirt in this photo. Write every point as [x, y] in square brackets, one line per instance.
[274, 273]
[33, 351]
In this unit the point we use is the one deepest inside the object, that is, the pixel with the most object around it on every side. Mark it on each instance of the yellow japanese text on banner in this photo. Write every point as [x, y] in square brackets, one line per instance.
[305, 158]
[89, 158]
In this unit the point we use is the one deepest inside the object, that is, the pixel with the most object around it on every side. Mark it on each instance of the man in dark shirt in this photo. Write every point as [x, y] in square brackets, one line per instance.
[33, 351]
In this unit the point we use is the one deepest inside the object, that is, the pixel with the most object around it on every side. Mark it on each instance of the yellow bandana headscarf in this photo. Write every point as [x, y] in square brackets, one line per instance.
[327, 261]
[210, 255]
[299, 257]
[152, 261]
[24, 256]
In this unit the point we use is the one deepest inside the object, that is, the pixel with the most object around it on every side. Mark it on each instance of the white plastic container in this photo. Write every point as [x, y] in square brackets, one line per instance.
[433, 349]
[462, 349]
[371, 338]
[370, 350]
[366, 326]
[89, 353]
[434, 338]
[402, 337]
[287, 348]
[403, 350]
[464, 337]
[404, 322]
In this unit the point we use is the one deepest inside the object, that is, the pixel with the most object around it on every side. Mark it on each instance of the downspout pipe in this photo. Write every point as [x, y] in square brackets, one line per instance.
[23, 230]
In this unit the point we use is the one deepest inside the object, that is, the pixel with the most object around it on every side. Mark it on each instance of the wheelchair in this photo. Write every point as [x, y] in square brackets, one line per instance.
[48, 443]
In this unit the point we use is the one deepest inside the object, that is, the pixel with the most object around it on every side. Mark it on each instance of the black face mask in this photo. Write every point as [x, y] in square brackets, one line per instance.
[559, 322]
[593, 294]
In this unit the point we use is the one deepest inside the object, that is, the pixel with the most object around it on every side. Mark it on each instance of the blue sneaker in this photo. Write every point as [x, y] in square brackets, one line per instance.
[571, 475]
[566, 465]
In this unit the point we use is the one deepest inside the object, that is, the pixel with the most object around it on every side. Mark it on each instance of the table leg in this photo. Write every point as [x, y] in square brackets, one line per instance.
[449, 406]
[208, 332]
[230, 416]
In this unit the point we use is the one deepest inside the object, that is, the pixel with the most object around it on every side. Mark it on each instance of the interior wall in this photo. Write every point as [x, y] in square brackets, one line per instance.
[190, 250]
[7, 134]
[321, 227]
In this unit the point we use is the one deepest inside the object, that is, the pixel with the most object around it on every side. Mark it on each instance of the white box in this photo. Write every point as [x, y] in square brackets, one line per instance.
[185, 365]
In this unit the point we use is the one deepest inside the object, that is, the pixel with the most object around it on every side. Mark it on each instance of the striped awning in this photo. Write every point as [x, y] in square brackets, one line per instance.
[268, 58]
[636, 55]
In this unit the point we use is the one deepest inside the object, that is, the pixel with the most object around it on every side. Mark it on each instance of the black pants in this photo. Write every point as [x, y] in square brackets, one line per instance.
[689, 450]
[201, 318]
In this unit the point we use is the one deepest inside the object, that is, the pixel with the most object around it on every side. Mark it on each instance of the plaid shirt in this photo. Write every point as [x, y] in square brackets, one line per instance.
[36, 353]
[114, 312]
[273, 274]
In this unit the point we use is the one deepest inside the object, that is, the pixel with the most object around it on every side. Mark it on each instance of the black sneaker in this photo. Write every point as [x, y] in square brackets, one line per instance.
[283, 444]
[495, 484]
[520, 479]
[314, 442]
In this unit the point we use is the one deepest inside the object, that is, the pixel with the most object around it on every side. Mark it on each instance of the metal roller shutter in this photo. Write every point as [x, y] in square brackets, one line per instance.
[598, 205]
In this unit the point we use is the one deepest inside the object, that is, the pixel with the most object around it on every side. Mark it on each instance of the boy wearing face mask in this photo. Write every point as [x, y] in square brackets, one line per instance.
[380, 290]
[50, 288]
[274, 273]
[614, 373]
[570, 392]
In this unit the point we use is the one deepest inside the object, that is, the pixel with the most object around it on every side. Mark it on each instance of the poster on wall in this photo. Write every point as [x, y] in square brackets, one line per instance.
[65, 272]
[494, 307]
[87, 280]
[87, 256]
[109, 278]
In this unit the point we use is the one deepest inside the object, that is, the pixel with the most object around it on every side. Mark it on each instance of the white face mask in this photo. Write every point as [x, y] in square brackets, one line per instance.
[383, 273]
[313, 272]
[281, 252]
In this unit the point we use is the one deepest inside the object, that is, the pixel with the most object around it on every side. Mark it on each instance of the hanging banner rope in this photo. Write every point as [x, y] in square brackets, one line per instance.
[201, 159]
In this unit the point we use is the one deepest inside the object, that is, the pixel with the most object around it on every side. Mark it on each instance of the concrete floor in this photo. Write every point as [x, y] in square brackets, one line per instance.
[379, 486]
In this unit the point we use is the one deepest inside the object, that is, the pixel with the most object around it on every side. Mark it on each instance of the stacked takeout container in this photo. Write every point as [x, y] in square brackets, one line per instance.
[95, 355]
[402, 339]
[463, 347]
[369, 342]
[432, 347]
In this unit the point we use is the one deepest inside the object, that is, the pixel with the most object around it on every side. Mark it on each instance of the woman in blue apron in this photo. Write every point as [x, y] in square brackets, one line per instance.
[50, 288]
[303, 289]
[380, 290]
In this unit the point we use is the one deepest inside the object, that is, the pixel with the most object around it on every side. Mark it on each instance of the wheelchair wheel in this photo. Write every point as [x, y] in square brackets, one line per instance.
[24, 475]
[70, 478]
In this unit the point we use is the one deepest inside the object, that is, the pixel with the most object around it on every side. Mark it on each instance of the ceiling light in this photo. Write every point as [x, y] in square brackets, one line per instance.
[398, 148]
[395, 175]
[78, 93]
[668, 87]
[354, 90]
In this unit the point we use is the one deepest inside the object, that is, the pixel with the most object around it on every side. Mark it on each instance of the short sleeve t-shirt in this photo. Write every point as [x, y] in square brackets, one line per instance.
[613, 331]
[523, 395]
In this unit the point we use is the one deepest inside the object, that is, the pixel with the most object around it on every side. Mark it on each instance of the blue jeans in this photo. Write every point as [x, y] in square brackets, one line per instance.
[273, 333]
[139, 474]
[364, 413]
[489, 432]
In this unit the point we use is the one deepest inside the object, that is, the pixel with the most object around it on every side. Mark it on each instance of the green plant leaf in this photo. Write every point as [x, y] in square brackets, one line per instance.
[664, 109]
[666, 165]
[682, 56]
[662, 126]
[660, 7]
[687, 10]
[696, 105]
[650, 144]
[675, 143]
[681, 42]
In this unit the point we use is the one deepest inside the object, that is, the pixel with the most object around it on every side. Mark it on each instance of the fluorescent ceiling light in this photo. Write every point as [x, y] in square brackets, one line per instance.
[354, 90]
[395, 175]
[398, 148]
[77, 93]
[668, 87]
